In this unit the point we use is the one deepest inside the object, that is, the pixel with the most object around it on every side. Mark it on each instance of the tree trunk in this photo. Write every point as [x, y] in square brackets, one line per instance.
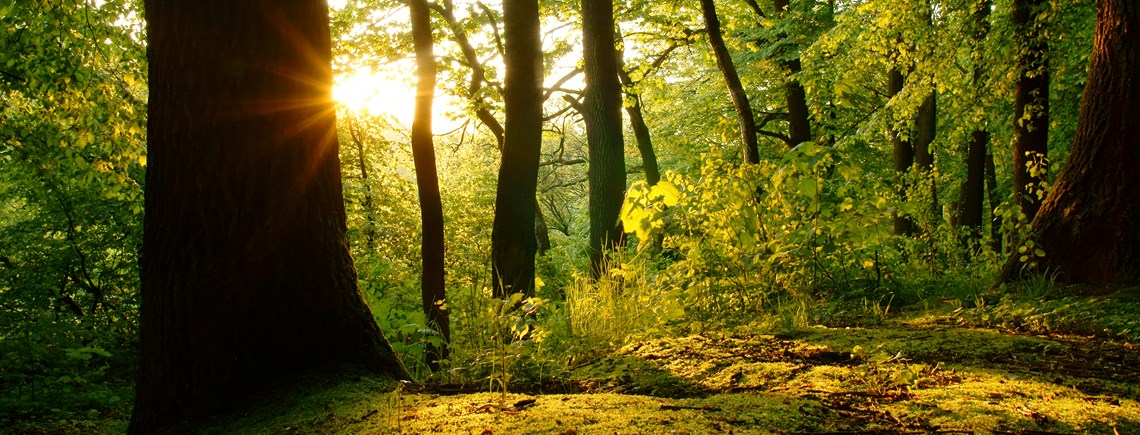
[799, 124]
[637, 121]
[991, 193]
[246, 273]
[366, 182]
[1089, 226]
[732, 80]
[427, 184]
[904, 157]
[1031, 106]
[927, 123]
[972, 197]
[513, 244]
[602, 115]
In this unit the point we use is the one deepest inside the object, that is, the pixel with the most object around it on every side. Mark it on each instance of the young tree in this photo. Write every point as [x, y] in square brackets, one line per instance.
[427, 184]
[602, 115]
[903, 155]
[799, 125]
[1031, 106]
[1088, 226]
[972, 196]
[513, 244]
[246, 274]
[744, 111]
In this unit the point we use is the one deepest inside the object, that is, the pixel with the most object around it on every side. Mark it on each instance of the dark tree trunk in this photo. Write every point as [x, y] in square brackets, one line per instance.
[446, 10]
[427, 184]
[513, 244]
[972, 197]
[973, 190]
[1031, 106]
[799, 124]
[246, 273]
[602, 115]
[637, 122]
[1089, 226]
[927, 123]
[732, 80]
[991, 193]
[904, 157]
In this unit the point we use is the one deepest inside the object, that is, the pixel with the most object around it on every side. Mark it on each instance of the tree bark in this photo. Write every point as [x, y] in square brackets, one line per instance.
[1089, 226]
[602, 116]
[927, 122]
[732, 80]
[637, 121]
[972, 197]
[427, 184]
[246, 273]
[1031, 106]
[903, 156]
[513, 244]
[799, 124]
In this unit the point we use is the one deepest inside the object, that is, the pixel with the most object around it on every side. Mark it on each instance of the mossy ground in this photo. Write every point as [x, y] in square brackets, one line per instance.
[918, 373]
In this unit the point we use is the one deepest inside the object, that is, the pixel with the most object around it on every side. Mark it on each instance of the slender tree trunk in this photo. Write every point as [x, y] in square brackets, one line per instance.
[991, 193]
[927, 123]
[427, 184]
[732, 80]
[799, 124]
[1031, 107]
[246, 273]
[904, 157]
[1088, 226]
[602, 114]
[513, 244]
[973, 192]
[637, 121]
[366, 181]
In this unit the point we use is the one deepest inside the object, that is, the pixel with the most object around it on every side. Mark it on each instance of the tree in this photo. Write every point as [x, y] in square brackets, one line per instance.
[903, 155]
[799, 126]
[602, 115]
[1031, 107]
[633, 109]
[427, 184]
[513, 244]
[972, 196]
[1088, 227]
[744, 111]
[246, 275]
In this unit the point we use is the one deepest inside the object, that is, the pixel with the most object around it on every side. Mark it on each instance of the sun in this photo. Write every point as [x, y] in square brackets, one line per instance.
[369, 92]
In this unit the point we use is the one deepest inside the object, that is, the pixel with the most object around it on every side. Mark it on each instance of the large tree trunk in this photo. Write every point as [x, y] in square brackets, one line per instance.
[513, 244]
[1089, 226]
[1031, 106]
[903, 156]
[602, 115]
[427, 184]
[246, 273]
[731, 79]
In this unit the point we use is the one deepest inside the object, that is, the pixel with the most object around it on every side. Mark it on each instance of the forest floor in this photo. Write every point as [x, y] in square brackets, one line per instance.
[917, 373]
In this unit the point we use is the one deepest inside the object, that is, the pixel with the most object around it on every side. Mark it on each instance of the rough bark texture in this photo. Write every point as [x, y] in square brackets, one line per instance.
[602, 115]
[1089, 225]
[1031, 105]
[246, 273]
[427, 184]
[903, 156]
[732, 80]
[513, 244]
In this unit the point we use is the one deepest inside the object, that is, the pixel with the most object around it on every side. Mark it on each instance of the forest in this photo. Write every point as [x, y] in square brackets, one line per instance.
[592, 216]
